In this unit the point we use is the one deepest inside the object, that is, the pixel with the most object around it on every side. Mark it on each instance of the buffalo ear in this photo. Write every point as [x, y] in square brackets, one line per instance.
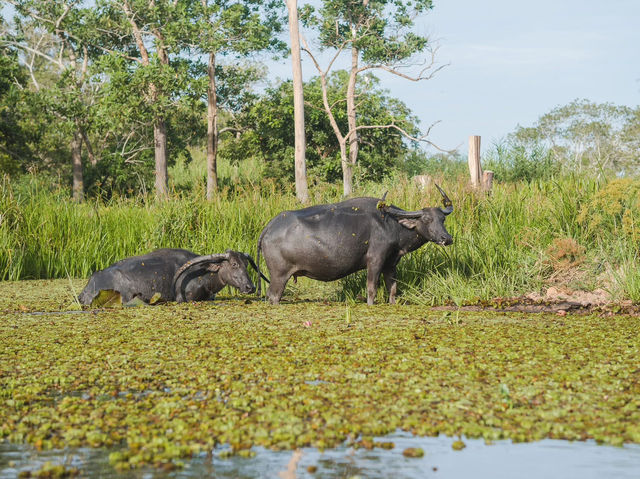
[408, 223]
[213, 267]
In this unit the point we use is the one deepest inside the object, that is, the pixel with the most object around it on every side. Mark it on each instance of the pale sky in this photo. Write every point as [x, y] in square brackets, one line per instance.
[511, 61]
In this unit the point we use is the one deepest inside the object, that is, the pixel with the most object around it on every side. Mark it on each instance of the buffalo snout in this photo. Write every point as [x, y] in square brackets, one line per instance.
[242, 284]
[446, 241]
[234, 273]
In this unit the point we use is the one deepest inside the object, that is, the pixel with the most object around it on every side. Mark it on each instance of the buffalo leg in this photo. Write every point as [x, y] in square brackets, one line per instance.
[276, 288]
[373, 278]
[391, 283]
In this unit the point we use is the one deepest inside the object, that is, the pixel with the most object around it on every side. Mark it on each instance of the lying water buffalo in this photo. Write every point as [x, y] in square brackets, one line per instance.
[174, 274]
[328, 242]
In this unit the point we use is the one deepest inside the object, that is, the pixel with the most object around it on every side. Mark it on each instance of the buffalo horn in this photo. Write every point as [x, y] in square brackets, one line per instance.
[209, 258]
[254, 266]
[448, 206]
[398, 213]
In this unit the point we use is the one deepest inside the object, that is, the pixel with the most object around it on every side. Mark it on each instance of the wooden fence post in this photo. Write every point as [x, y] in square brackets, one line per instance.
[475, 170]
[479, 179]
[487, 180]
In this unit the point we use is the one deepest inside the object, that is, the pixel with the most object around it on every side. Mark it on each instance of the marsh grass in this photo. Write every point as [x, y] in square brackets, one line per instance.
[501, 241]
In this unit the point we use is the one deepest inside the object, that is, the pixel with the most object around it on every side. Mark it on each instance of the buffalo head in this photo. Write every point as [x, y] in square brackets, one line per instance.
[229, 267]
[233, 271]
[427, 222]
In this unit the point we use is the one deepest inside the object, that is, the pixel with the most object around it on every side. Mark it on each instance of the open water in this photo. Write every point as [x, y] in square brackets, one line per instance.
[502, 459]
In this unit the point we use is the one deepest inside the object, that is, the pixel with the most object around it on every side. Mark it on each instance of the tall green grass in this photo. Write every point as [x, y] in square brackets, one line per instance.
[501, 241]
[511, 161]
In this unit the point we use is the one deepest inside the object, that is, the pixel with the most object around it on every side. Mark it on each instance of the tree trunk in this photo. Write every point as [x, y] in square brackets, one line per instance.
[87, 143]
[76, 161]
[212, 129]
[347, 170]
[160, 143]
[159, 126]
[351, 108]
[160, 133]
[302, 191]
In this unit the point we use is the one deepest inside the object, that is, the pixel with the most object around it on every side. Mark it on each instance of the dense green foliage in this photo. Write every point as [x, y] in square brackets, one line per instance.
[380, 30]
[116, 77]
[163, 383]
[583, 136]
[15, 154]
[513, 161]
[270, 137]
[74, 80]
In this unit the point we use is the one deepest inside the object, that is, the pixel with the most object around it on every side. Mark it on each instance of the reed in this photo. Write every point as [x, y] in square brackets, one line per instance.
[501, 241]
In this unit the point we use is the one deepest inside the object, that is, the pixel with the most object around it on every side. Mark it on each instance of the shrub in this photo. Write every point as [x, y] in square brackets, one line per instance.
[614, 209]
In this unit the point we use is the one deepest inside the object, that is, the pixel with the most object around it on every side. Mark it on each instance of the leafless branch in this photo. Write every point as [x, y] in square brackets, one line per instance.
[87, 142]
[338, 101]
[17, 84]
[85, 63]
[360, 102]
[126, 140]
[305, 48]
[421, 138]
[136, 32]
[394, 70]
[132, 153]
[34, 52]
[230, 128]
[31, 72]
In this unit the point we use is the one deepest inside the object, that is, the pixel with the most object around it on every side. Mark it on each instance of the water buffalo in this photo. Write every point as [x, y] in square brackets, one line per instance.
[174, 274]
[328, 242]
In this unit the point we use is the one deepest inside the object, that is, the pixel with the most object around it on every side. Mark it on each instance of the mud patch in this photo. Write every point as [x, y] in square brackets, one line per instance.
[557, 299]
[559, 294]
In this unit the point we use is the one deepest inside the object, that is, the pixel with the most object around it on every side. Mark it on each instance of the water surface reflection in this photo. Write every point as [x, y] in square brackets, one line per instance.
[543, 459]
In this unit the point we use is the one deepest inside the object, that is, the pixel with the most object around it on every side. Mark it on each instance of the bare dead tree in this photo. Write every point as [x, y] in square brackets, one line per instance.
[361, 28]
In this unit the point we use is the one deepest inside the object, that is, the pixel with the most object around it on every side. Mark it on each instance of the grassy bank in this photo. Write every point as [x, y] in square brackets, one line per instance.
[523, 236]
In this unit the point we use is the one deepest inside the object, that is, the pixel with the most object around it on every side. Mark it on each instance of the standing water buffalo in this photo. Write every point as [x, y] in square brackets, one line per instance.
[328, 242]
[174, 274]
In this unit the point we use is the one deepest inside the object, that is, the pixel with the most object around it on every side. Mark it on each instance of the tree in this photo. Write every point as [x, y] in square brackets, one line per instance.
[123, 125]
[298, 104]
[14, 138]
[584, 136]
[143, 40]
[229, 28]
[44, 35]
[267, 132]
[630, 137]
[377, 36]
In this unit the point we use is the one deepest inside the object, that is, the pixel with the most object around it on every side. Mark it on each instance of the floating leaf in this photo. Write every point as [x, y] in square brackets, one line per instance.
[413, 452]
[135, 302]
[107, 298]
[458, 445]
[156, 298]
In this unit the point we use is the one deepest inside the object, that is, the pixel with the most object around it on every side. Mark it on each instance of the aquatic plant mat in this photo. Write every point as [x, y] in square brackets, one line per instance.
[164, 383]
